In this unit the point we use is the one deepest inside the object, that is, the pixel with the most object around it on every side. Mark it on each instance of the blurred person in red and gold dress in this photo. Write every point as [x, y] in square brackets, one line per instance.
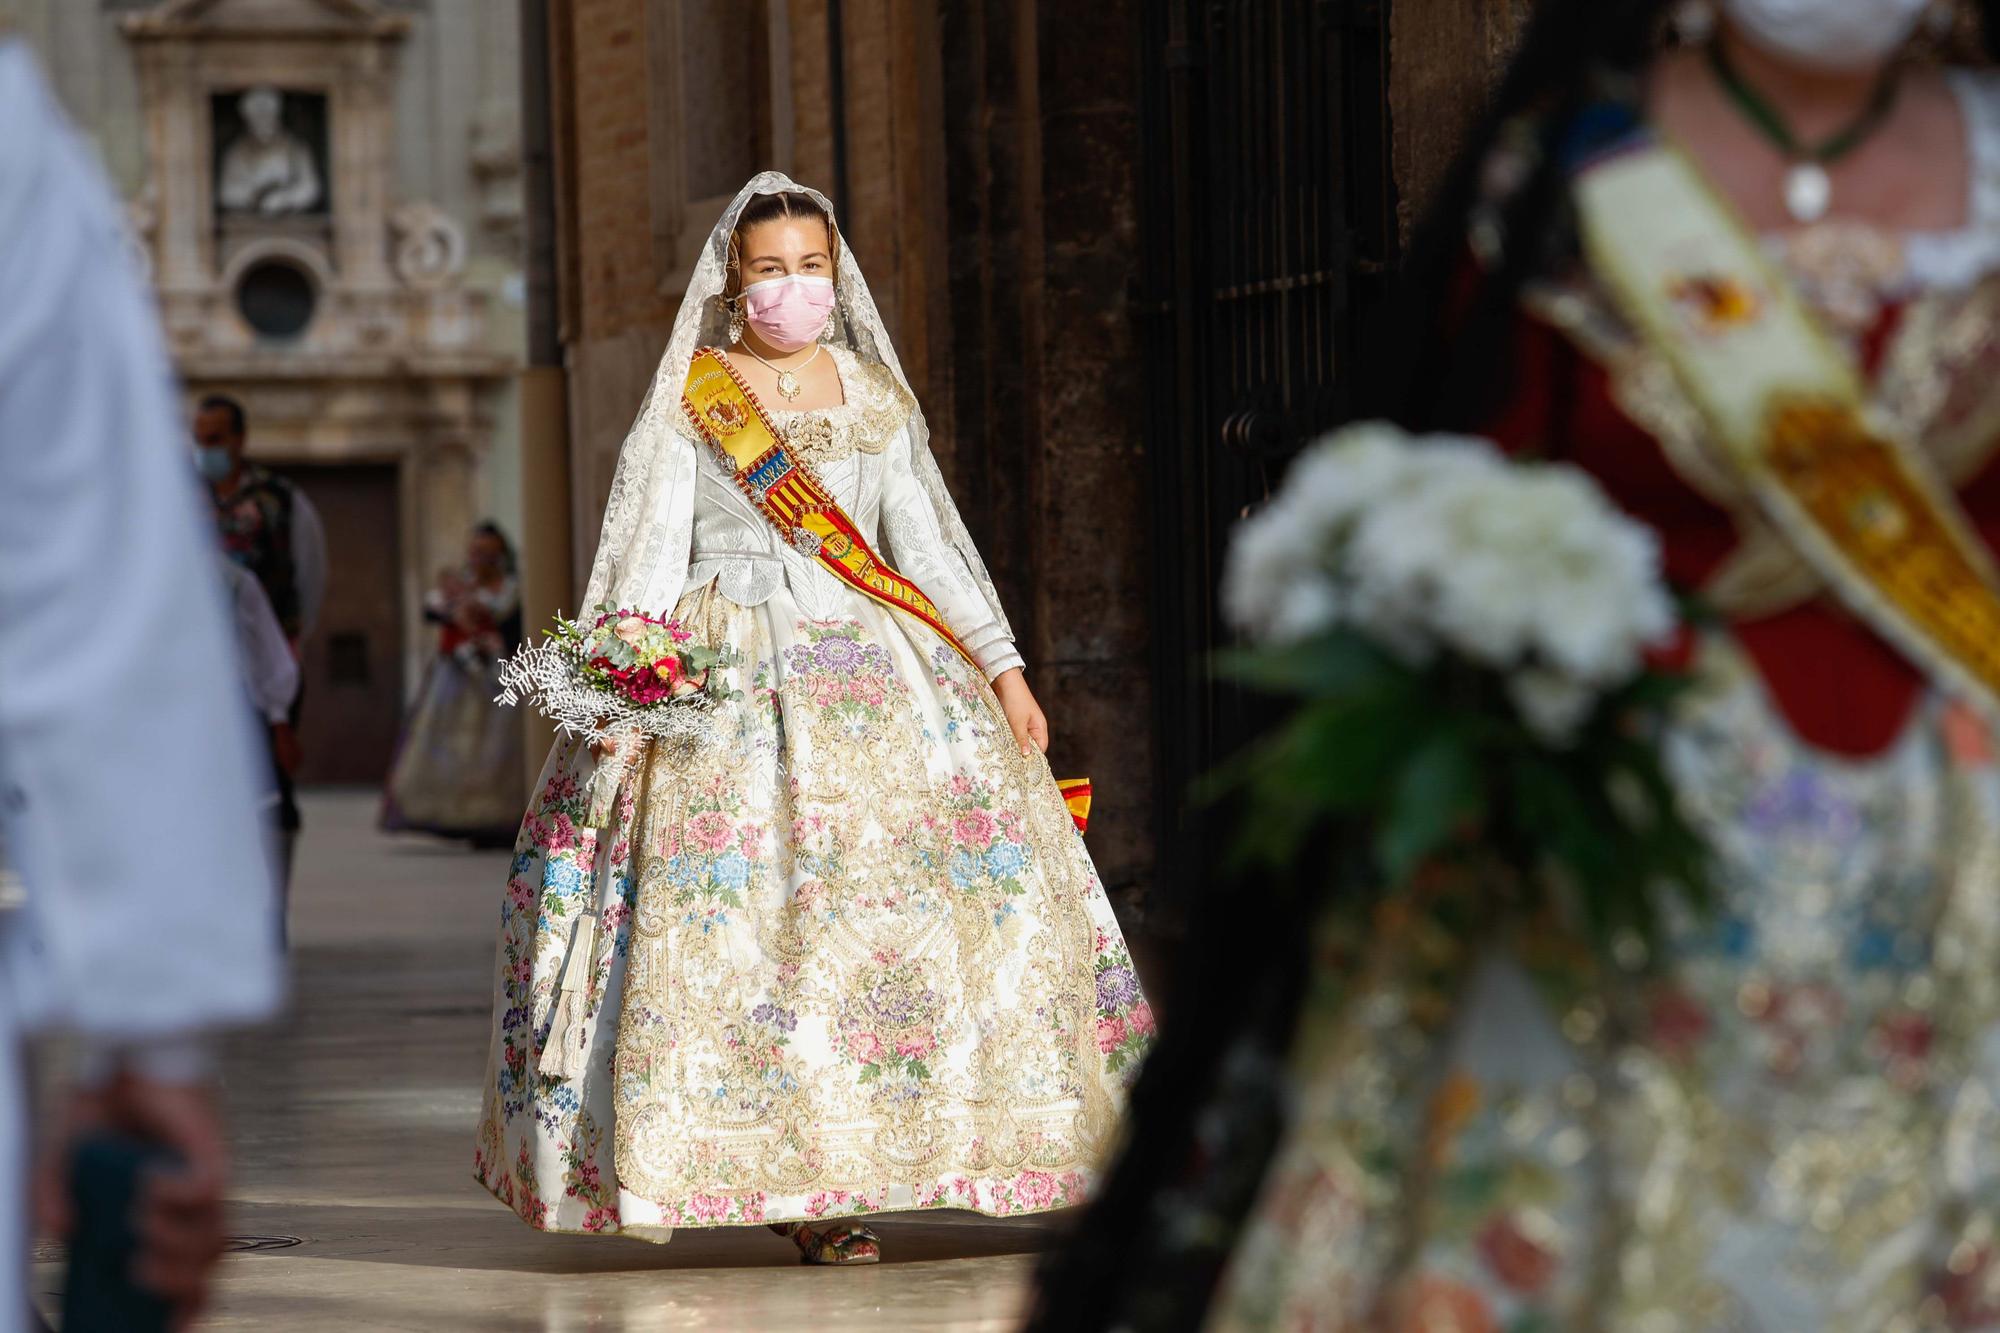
[1739, 262]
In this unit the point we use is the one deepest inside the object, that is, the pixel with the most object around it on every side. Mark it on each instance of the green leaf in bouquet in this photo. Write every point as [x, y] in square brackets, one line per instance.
[1270, 833]
[1335, 754]
[1438, 791]
[1329, 666]
[1613, 840]
[1653, 692]
[1343, 752]
[1551, 810]
[1669, 843]
[1333, 758]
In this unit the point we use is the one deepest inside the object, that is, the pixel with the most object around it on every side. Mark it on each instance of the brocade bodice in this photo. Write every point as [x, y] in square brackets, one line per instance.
[1920, 314]
[862, 451]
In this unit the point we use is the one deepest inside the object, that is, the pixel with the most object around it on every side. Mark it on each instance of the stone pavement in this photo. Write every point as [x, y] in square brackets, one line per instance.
[353, 1123]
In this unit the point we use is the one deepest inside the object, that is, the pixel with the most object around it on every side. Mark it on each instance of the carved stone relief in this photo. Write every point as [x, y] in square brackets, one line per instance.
[265, 167]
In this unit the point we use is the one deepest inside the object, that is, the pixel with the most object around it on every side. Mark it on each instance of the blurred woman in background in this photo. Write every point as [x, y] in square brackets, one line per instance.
[1740, 262]
[458, 771]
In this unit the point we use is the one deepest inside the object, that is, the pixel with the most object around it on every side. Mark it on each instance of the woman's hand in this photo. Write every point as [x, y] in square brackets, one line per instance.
[1024, 715]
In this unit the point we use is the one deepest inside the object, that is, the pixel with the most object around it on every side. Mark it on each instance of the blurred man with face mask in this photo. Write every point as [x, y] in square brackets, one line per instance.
[268, 525]
[269, 528]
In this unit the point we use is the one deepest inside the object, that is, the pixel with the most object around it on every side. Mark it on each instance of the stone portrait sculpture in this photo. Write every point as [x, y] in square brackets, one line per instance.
[266, 168]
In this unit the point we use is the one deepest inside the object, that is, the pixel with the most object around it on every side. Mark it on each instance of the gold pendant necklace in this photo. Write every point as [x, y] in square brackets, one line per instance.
[788, 381]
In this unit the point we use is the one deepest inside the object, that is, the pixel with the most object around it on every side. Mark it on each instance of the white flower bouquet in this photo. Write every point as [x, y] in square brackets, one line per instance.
[1469, 640]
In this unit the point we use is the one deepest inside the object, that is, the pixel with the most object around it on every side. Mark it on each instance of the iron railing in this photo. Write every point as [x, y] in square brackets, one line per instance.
[1269, 224]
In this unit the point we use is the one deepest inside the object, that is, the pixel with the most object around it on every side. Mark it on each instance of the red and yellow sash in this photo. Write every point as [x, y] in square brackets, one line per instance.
[726, 414]
[1076, 795]
[1862, 506]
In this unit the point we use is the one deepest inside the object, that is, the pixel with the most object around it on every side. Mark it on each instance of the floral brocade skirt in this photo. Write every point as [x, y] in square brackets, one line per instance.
[1790, 1123]
[850, 958]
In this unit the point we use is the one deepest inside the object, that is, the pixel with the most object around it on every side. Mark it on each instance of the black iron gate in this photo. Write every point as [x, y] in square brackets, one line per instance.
[1269, 223]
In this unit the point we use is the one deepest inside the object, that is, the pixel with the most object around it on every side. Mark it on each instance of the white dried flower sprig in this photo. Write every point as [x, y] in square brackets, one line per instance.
[1441, 545]
[545, 677]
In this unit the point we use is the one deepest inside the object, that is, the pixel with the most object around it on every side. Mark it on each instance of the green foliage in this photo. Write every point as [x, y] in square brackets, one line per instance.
[1432, 765]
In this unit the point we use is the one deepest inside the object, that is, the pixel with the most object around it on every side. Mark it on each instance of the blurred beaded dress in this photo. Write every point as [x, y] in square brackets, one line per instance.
[457, 771]
[1795, 1124]
[853, 958]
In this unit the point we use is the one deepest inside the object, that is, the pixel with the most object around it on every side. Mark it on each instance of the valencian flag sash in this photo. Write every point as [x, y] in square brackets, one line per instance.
[722, 409]
[1787, 413]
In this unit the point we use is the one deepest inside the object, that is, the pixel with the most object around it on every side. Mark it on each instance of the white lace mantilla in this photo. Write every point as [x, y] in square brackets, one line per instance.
[675, 521]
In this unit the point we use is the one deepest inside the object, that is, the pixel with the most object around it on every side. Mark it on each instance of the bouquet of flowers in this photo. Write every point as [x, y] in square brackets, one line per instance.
[1470, 642]
[619, 672]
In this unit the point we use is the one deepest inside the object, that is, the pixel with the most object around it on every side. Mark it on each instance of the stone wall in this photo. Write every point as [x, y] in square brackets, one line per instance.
[1045, 406]
[1444, 55]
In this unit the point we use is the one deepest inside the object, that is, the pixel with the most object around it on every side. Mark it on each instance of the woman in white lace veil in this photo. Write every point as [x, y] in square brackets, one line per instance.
[635, 539]
[853, 957]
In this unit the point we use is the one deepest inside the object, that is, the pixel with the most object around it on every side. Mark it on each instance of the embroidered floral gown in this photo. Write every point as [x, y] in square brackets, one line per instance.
[1798, 1127]
[853, 959]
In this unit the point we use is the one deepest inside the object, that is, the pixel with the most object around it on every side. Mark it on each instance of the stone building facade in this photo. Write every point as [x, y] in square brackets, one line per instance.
[326, 194]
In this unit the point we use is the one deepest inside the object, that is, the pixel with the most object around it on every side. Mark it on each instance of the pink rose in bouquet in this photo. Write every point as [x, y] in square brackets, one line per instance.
[620, 670]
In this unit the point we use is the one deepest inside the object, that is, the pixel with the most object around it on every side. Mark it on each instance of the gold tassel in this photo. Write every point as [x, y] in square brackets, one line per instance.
[564, 1053]
[605, 780]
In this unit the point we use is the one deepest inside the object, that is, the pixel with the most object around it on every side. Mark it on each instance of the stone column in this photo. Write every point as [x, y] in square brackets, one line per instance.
[1042, 409]
[176, 115]
[363, 162]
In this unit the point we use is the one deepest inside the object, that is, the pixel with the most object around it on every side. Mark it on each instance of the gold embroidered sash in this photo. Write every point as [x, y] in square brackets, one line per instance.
[1860, 504]
[726, 413]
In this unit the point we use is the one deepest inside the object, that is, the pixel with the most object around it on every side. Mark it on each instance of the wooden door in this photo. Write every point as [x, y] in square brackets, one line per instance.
[1269, 222]
[353, 659]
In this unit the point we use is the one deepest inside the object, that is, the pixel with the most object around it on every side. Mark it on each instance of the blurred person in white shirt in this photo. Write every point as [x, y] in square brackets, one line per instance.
[271, 685]
[129, 770]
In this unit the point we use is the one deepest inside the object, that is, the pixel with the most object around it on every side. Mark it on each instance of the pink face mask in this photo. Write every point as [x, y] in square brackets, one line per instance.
[789, 312]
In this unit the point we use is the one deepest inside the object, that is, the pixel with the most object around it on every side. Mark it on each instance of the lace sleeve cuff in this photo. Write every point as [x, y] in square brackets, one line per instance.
[1001, 663]
[991, 647]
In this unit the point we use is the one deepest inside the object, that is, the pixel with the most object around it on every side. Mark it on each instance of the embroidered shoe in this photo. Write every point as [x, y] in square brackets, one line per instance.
[838, 1244]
